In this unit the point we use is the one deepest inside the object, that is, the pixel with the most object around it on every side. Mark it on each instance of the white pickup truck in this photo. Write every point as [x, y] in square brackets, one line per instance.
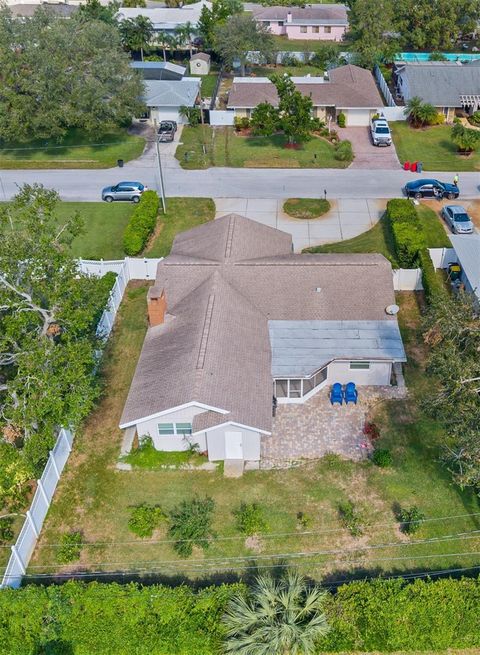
[381, 135]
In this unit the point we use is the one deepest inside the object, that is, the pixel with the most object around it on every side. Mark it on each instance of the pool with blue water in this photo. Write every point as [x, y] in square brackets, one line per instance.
[425, 56]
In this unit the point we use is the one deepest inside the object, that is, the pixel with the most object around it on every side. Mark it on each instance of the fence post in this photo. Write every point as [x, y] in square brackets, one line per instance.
[43, 492]
[54, 464]
[16, 554]
[32, 524]
[64, 435]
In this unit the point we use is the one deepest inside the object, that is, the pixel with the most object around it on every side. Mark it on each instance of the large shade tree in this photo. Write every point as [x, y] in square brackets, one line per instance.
[276, 617]
[216, 14]
[57, 74]
[48, 317]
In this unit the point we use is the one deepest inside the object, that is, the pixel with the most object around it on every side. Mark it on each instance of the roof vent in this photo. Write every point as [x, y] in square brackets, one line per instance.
[392, 309]
[318, 289]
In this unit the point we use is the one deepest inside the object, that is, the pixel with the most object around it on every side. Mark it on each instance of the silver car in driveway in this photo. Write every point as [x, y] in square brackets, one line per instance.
[124, 191]
[457, 219]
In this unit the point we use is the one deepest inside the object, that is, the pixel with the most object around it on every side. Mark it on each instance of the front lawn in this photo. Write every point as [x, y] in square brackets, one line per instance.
[433, 147]
[205, 146]
[300, 505]
[306, 207]
[379, 238]
[77, 150]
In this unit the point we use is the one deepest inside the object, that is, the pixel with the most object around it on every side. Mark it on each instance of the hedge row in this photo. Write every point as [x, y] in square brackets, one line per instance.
[432, 285]
[141, 224]
[108, 619]
[407, 231]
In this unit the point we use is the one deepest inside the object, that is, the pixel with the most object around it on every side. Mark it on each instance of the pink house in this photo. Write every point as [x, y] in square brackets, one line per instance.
[316, 22]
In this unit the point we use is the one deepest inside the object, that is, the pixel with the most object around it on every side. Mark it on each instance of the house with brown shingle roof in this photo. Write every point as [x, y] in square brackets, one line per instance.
[348, 89]
[237, 320]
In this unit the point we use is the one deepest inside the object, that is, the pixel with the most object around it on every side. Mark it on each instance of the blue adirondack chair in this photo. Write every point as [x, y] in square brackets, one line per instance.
[350, 393]
[336, 395]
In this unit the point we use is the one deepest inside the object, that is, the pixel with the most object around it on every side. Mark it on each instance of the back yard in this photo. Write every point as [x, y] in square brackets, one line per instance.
[300, 505]
[433, 147]
[203, 147]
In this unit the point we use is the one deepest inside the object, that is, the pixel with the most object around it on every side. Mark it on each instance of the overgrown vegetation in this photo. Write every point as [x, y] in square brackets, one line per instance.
[408, 236]
[145, 518]
[70, 548]
[250, 519]
[351, 518]
[191, 525]
[142, 223]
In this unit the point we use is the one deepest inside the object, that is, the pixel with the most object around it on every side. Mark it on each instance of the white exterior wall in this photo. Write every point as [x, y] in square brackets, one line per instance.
[216, 443]
[199, 67]
[165, 114]
[378, 374]
[173, 443]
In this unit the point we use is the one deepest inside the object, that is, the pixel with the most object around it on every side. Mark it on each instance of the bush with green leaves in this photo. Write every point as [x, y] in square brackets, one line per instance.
[344, 151]
[141, 224]
[411, 519]
[382, 457]
[341, 119]
[70, 547]
[351, 518]
[250, 519]
[6, 530]
[304, 520]
[432, 284]
[407, 231]
[14, 477]
[144, 519]
[264, 120]
[191, 525]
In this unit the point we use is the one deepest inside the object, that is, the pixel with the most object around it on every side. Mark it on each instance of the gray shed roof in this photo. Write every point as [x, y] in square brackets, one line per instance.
[159, 70]
[318, 14]
[440, 83]
[299, 348]
[467, 249]
[171, 93]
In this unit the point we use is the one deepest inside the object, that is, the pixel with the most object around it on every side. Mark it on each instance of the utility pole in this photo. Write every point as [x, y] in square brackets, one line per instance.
[160, 172]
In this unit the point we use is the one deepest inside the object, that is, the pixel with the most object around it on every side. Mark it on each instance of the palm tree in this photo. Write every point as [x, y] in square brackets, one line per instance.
[276, 617]
[167, 41]
[184, 35]
[464, 138]
[419, 112]
[136, 33]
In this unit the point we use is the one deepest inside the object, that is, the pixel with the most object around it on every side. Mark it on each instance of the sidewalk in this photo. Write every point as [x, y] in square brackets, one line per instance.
[346, 219]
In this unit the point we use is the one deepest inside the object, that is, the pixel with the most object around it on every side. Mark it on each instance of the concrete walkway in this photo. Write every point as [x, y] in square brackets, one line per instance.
[346, 219]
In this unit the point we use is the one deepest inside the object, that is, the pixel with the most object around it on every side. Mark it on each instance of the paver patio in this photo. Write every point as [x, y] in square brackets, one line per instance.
[347, 218]
[312, 429]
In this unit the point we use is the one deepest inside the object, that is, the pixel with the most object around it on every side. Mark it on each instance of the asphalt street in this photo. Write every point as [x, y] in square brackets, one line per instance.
[86, 185]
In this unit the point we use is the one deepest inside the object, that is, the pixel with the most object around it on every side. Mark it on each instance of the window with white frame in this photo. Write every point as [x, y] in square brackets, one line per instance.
[174, 429]
[315, 29]
[327, 29]
[303, 29]
[359, 366]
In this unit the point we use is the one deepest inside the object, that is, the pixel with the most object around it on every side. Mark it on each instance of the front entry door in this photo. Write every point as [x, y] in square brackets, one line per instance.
[233, 445]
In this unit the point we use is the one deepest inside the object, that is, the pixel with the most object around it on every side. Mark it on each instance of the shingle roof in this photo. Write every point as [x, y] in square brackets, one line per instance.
[348, 86]
[171, 93]
[440, 83]
[224, 281]
[27, 10]
[201, 55]
[166, 17]
[320, 14]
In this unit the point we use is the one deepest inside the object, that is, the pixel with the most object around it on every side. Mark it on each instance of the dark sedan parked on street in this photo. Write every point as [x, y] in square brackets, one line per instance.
[431, 189]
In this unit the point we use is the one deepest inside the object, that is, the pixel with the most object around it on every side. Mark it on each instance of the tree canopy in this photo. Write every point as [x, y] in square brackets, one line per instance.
[48, 318]
[58, 74]
[136, 33]
[239, 34]
[217, 15]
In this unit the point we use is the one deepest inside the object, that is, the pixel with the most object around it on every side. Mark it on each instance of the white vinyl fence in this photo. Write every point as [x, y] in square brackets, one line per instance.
[442, 257]
[410, 279]
[384, 87]
[218, 117]
[126, 269]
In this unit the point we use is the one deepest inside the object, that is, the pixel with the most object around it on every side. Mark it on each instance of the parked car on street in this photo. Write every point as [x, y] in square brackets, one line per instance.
[131, 191]
[431, 189]
[166, 131]
[457, 219]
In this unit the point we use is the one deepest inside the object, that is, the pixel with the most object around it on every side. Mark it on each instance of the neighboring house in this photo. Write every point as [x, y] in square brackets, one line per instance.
[323, 22]
[27, 10]
[159, 70]
[165, 19]
[165, 97]
[447, 85]
[236, 320]
[200, 64]
[348, 89]
[467, 249]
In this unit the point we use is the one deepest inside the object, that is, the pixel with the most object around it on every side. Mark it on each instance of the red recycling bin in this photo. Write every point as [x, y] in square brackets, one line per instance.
[406, 166]
[413, 167]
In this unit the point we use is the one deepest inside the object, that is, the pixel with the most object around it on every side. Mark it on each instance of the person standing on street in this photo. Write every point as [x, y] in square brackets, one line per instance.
[455, 180]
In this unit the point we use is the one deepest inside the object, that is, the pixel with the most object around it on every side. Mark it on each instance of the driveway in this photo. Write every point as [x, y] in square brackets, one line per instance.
[347, 218]
[368, 156]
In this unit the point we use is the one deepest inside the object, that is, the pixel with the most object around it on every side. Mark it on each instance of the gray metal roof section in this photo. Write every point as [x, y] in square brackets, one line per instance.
[159, 70]
[441, 84]
[171, 93]
[299, 348]
[467, 248]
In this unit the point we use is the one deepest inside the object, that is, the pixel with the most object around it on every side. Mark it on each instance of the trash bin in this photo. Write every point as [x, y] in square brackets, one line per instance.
[419, 167]
[413, 167]
[120, 163]
[406, 166]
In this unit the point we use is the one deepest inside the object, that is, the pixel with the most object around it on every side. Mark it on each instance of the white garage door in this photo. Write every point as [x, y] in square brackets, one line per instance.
[357, 117]
[166, 114]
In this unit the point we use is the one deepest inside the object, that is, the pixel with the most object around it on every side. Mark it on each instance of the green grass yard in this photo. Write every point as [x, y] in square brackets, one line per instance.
[224, 147]
[77, 150]
[433, 147]
[96, 498]
[281, 43]
[294, 71]
[208, 83]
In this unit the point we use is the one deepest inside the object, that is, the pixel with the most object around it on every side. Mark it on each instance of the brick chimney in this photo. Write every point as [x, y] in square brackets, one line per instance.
[157, 306]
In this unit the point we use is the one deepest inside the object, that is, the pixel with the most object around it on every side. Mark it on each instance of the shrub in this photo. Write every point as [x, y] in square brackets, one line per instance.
[6, 529]
[250, 519]
[411, 519]
[371, 431]
[70, 548]
[241, 123]
[290, 60]
[305, 520]
[141, 224]
[432, 285]
[191, 525]
[475, 118]
[14, 477]
[344, 151]
[406, 230]
[351, 518]
[341, 119]
[144, 519]
[382, 457]
[400, 210]
[439, 119]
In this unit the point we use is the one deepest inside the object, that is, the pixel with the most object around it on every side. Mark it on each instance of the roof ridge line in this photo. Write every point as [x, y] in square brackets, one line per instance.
[229, 241]
[202, 351]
